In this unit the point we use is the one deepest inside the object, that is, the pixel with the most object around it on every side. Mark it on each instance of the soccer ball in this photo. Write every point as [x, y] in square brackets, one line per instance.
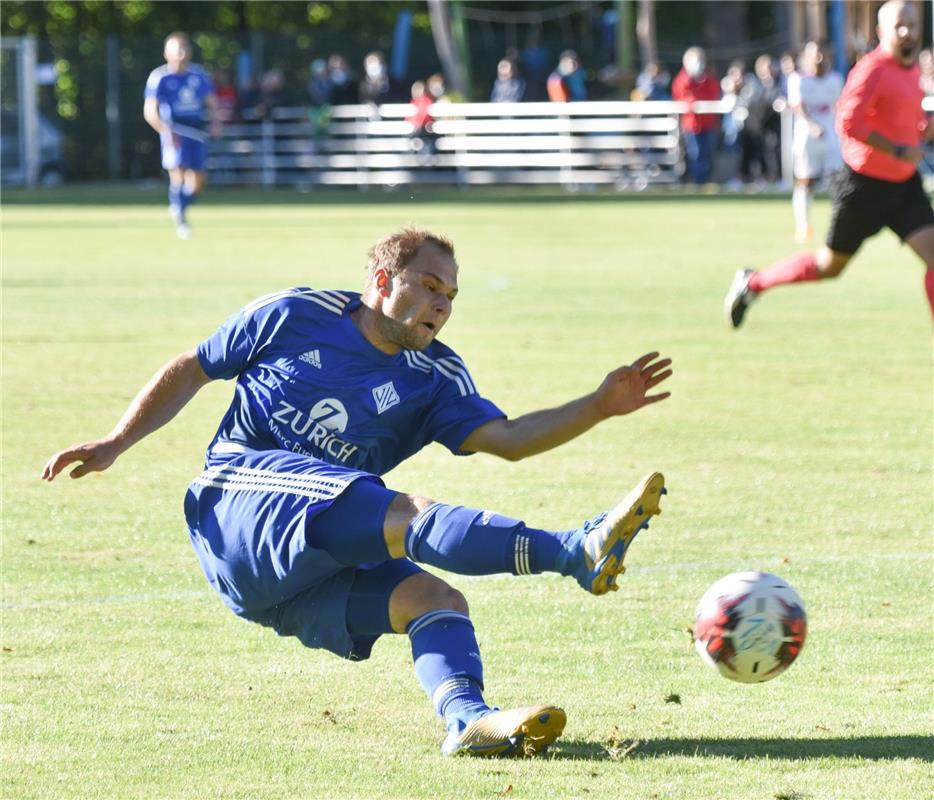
[750, 626]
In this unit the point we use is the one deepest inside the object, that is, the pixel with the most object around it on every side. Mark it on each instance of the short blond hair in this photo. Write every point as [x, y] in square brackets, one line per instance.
[394, 251]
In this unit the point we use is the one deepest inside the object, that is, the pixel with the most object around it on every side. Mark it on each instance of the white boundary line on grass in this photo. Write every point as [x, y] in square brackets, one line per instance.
[151, 597]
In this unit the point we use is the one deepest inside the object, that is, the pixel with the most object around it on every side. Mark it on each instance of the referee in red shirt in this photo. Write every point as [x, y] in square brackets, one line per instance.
[881, 126]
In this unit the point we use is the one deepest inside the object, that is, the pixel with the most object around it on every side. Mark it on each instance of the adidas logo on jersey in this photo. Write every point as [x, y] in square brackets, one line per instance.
[312, 357]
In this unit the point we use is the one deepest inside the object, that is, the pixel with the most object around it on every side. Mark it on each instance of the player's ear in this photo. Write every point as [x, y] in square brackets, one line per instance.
[383, 282]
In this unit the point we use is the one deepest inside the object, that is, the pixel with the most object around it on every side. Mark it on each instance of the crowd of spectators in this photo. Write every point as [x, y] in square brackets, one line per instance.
[739, 147]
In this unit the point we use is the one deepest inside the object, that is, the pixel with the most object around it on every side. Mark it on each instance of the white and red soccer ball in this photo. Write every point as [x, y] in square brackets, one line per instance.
[750, 626]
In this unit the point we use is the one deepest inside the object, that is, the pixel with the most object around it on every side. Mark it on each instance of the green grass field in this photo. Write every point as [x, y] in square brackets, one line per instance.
[800, 445]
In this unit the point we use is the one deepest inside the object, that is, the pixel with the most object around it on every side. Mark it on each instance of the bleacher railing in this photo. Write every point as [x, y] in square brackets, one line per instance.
[626, 144]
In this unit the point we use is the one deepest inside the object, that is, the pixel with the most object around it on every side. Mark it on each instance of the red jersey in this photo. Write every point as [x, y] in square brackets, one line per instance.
[687, 90]
[883, 96]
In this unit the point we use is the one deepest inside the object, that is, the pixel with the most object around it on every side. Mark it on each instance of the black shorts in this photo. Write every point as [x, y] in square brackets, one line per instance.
[862, 206]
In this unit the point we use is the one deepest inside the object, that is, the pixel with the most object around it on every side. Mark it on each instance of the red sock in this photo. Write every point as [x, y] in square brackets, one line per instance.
[929, 287]
[796, 268]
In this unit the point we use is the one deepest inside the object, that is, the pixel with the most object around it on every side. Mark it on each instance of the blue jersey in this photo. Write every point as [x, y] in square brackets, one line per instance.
[180, 94]
[308, 381]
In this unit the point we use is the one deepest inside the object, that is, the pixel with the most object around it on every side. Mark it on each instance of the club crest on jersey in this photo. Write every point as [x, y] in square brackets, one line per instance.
[386, 397]
[318, 426]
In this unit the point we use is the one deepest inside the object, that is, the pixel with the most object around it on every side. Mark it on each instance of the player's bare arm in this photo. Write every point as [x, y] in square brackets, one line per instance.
[166, 393]
[151, 114]
[622, 391]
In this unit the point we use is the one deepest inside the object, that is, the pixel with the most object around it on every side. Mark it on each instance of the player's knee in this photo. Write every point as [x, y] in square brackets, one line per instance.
[421, 594]
[831, 264]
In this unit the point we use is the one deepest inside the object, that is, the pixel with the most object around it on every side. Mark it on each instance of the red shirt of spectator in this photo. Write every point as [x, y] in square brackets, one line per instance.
[422, 101]
[687, 90]
[884, 96]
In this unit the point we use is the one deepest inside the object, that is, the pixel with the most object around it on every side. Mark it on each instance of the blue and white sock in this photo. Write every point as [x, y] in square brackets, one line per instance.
[448, 665]
[472, 542]
[186, 198]
[175, 201]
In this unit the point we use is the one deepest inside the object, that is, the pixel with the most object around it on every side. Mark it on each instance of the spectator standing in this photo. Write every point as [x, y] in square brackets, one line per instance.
[228, 100]
[377, 86]
[787, 66]
[343, 89]
[762, 129]
[319, 83]
[812, 96]
[732, 86]
[567, 82]
[421, 120]
[534, 61]
[271, 93]
[508, 86]
[653, 83]
[692, 84]
[882, 127]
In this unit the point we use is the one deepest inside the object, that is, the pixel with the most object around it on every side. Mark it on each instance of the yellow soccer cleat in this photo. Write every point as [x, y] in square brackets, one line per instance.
[595, 556]
[524, 731]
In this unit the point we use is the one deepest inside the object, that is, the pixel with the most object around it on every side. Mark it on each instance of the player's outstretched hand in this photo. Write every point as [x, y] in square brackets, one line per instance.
[94, 457]
[627, 389]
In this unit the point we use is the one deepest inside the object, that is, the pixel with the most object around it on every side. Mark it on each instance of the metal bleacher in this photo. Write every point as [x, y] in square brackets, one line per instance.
[626, 144]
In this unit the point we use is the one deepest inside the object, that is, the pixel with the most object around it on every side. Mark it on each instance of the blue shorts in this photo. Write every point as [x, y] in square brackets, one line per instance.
[180, 152]
[248, 517]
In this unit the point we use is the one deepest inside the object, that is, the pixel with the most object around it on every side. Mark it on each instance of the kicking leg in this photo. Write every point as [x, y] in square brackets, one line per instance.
[371, 523]
[397, 597]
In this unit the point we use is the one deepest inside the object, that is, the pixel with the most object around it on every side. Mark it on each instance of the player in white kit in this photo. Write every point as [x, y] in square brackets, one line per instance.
[812, 95]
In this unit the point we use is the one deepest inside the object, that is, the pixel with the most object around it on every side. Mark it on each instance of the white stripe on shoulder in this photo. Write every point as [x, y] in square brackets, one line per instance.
[450, 366]
[266, 299]
[329, 299]
[414, 363]
[456, 364]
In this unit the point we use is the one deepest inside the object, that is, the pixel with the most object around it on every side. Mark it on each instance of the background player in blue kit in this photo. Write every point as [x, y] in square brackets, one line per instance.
[296, 531]
[176, 98]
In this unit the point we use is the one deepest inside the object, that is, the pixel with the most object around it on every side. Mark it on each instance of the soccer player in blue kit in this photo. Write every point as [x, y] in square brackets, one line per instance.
[176, 97]
[296, 531]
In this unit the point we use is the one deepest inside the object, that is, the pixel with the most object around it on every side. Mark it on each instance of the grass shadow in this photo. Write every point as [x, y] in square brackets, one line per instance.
[870, 748]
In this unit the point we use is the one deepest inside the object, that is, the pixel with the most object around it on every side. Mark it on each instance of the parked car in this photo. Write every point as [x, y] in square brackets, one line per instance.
[51, 149]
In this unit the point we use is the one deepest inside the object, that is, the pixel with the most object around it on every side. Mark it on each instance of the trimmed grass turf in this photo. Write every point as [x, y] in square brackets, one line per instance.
[800, 445]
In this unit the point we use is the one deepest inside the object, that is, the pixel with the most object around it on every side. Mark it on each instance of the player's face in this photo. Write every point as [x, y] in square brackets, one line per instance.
[420, 298]
[176, 52]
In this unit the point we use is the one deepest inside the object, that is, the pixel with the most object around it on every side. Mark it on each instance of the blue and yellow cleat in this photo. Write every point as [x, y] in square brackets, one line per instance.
[604, 540]
[525, 731]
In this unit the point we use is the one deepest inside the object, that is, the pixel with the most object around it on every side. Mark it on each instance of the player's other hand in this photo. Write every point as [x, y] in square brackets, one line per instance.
[627, 389]
[94, 457]
[817, 131]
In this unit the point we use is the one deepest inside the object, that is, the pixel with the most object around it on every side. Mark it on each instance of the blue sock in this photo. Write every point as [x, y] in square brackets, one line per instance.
[472, 542]
[175, 198]
[448, 666]
[186, 198]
